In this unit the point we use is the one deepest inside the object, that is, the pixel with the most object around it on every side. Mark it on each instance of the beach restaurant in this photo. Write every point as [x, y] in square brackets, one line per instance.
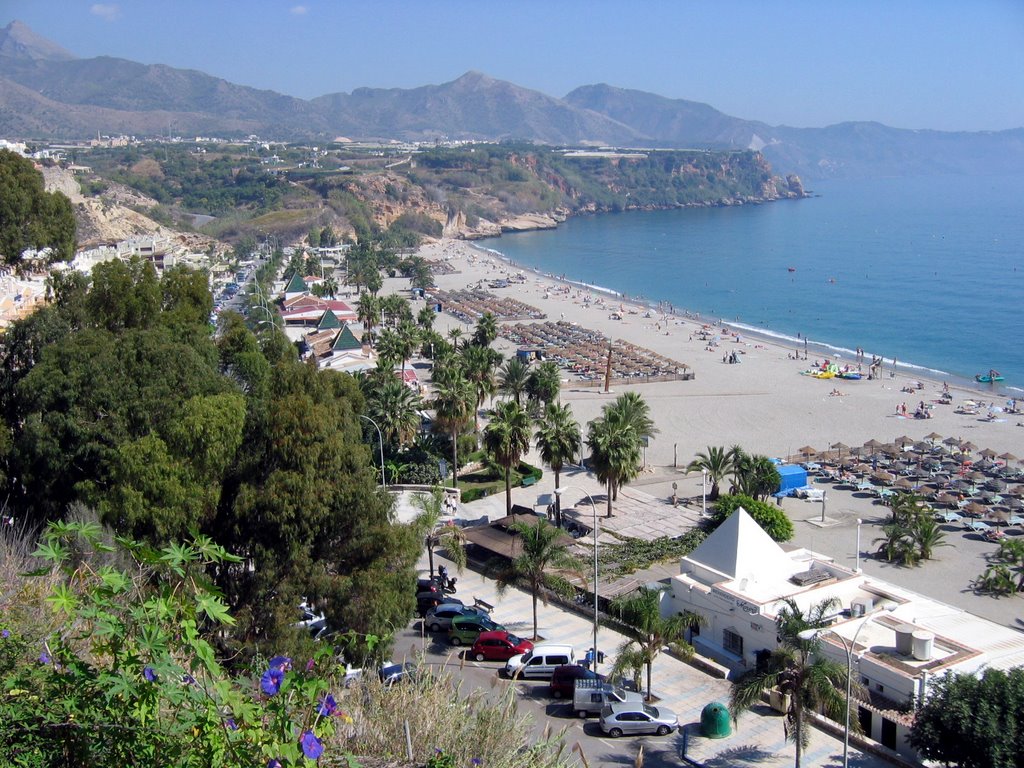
[739, 578]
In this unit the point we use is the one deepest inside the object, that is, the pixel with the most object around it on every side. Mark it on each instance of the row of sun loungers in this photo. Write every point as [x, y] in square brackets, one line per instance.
[469, 305]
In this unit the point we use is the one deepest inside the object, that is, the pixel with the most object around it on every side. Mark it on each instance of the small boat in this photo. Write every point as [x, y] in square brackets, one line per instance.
[988, 378]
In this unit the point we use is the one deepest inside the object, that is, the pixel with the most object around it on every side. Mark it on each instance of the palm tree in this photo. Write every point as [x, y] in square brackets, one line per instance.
[486, 330]
[507, 438]
[634, 410]
[641, 610]
[754, 476]
[810, 685]
[541, 549]
[389, 349]
[330, 286]
[451, 537]
[368, 311]
[513, 377]
[479, 364]
[454, 334]
[396, 409]
[425, 317]
[718, 463]
[910, 534]
[614, 451]
[408, 340]
[453, 406]
[558, 439]
[544, 383]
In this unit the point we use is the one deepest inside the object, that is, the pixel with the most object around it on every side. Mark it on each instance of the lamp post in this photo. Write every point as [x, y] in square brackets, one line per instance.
[704, 492]
[859, 523]
[811, 634]
[380, 437]
[593, 506]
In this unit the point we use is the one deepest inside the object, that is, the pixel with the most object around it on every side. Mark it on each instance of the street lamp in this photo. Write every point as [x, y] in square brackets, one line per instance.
[859, 523]
[811, 634]
[593, 506]
[380, 436]
[704, 492]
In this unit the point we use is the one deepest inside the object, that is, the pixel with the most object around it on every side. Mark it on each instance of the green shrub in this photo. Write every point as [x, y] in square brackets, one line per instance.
[771, 518]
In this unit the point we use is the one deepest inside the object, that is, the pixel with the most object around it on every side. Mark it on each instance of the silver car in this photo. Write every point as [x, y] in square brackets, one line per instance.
[637, 717]
[439, 618]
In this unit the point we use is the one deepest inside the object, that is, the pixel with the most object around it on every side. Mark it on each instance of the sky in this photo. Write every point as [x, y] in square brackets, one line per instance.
[940, 64]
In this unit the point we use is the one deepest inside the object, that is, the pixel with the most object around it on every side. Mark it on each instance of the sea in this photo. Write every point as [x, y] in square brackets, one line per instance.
[926, 271]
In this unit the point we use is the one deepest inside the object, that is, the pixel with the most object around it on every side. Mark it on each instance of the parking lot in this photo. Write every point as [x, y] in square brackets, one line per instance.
[758, 740]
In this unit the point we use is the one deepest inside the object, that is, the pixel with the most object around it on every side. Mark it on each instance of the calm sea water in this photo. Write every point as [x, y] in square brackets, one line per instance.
[927, 270]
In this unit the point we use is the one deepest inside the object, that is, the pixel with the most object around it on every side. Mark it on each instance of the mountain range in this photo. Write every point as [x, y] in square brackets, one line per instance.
[48, 93]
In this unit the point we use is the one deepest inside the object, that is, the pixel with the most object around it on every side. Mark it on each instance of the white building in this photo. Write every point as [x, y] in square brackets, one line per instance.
[738, 579]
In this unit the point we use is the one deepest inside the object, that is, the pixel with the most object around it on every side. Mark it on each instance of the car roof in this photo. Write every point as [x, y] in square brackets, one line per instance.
[493, 634]
[625, 706]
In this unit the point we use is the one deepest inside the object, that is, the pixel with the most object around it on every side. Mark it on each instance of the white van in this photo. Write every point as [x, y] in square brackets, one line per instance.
[541, 661]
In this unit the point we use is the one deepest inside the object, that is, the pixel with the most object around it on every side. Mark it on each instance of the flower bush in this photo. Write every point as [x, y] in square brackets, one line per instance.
[129, 677]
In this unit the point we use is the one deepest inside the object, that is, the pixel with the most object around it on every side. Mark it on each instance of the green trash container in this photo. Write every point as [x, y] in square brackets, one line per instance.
[715, 721]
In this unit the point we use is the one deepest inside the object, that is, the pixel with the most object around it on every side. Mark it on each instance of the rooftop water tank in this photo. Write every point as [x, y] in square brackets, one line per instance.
[923, 642]
[905, 639]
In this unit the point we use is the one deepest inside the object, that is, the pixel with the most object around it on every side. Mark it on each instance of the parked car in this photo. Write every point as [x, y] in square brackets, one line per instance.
[498, 645]
[439, 618]
[427, 600]
[591, 696]
[541, 661]
[563, 679]
[312, 620]
[637, 717]
[466, 629]
[395, 673]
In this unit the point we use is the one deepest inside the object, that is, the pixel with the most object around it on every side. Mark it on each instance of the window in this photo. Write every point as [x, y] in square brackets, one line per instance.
[558, 660]
[732, 642]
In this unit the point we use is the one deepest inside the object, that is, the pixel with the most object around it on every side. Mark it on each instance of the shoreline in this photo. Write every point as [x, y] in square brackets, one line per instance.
[764, 335]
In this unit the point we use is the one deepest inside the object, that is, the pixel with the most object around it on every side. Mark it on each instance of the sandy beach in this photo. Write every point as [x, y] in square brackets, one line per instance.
[762, 404]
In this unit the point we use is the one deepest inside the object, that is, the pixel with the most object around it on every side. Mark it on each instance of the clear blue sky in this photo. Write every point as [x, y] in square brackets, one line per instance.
[944, 64]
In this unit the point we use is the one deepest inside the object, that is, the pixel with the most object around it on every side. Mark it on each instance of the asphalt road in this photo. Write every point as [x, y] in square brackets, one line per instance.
[534, 699]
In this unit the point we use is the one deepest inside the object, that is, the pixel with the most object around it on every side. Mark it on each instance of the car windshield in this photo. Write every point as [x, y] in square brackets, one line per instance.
[514, 640]
[619, 692]
[650, 710]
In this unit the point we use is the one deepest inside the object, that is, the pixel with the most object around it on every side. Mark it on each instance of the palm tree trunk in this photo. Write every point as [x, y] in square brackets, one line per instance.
[650, 663]
[536, 587]
[455, 458]
[609, 513]
[798, 727]
[508, 489]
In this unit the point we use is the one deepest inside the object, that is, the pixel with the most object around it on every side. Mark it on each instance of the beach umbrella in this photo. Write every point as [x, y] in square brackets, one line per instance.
[1013, 503]
[873, 444]
[808, 451]
[842, 447]
[976, 475]
[1007, 457]
[933, 436]
[974, 508]
[987, 453]
[968, 446]
[862, 468]
[903, 440]
[883, 477]
[1016, 490]
[905, 483]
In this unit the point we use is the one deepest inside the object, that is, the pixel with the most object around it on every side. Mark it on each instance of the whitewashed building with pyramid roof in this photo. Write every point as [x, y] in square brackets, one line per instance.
[739, 578]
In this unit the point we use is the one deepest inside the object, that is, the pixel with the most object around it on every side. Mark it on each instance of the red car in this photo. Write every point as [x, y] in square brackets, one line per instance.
[498, 645]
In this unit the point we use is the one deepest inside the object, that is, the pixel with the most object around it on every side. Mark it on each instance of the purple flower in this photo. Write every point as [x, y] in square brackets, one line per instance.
[328, 706]
[284, 663]
[273, 763]
[232, 724]
[476, 761]
[311, 746]
[271, 681]
[187, 679]
[149, 674]
[44, 658]
[309, 665]
[7, 633]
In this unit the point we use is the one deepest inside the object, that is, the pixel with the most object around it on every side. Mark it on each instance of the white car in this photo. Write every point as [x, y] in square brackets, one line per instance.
[811, 494]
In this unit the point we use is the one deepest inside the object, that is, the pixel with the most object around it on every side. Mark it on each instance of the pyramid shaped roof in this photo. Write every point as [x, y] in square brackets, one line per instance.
[739, 547]
[346, 341]
[296, 284]
[328, 320]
